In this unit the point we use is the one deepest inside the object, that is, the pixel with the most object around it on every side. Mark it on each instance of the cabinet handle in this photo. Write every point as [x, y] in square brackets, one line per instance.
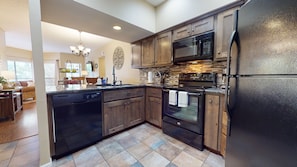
[178, 123]
[219, 53]
[210, 101]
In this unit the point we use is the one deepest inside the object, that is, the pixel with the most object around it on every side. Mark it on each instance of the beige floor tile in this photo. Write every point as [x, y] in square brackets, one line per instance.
[128, 141]
[214, 160]
[139, 150]
[4, 163]
[23, 148]
[185, 159]
[168, 151]
[110, 150]
[121, 135]
[7, 154]
[154, 142]
[66, 161]
[141, 134]
[25, 159]
[176, 142]
[154, 159]
[89, 156]
[8, 146]
[124, 159]
[202, 155]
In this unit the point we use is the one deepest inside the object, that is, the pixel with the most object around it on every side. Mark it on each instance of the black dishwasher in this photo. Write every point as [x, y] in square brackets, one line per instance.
[77, 121]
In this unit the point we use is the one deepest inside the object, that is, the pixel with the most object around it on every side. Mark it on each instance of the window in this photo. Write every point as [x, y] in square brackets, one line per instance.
[23, 70]
[73, 66]
[50, 73]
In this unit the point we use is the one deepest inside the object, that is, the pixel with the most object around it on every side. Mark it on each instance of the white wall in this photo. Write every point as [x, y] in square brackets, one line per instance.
[174, 12]
[18, 54]
[137, 12]
[126, 74]
[3, 64]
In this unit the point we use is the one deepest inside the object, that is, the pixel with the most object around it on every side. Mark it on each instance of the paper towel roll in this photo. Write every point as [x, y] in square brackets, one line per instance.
[150, 77]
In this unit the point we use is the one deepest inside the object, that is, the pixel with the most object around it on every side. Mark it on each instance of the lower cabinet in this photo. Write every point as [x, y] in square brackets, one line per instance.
[154, 106]
[213, 127]
[122, 109]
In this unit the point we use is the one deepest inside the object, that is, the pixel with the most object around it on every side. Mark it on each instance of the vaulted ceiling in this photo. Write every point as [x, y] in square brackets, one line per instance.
[61, 21]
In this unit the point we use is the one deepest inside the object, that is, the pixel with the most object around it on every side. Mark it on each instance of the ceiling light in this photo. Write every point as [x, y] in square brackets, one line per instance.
[80, 50]
[117, 27]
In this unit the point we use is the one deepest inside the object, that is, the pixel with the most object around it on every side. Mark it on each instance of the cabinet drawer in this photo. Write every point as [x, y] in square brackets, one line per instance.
[119, 94]
[155, 92]
[203, 26]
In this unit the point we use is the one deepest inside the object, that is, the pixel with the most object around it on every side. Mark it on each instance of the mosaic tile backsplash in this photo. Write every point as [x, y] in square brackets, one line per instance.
[170, 73]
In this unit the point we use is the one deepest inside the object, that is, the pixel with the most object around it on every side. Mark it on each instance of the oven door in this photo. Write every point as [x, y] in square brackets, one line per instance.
[190, 117]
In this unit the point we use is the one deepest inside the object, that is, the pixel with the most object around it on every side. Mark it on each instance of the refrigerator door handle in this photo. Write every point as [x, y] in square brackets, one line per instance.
[234, 38]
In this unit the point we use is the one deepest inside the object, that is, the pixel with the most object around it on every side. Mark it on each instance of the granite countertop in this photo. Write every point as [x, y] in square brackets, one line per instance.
[80, 87]
[215, 90]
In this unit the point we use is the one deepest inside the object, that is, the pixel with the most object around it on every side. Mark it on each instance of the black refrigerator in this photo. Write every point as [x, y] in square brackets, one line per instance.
[262, 81]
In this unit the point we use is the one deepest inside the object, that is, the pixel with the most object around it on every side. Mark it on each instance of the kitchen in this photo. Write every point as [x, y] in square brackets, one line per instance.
[183, 67]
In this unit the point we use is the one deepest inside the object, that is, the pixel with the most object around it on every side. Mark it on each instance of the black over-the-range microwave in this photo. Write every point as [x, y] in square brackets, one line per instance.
[198, 47]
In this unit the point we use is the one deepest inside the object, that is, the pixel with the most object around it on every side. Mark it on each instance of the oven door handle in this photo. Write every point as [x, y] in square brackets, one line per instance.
[191, 94]
[194, 94]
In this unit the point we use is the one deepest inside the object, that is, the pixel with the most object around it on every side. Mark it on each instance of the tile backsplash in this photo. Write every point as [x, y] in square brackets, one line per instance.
[171, 73]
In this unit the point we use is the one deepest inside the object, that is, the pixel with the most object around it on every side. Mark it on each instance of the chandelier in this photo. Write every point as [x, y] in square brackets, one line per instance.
[80, 50]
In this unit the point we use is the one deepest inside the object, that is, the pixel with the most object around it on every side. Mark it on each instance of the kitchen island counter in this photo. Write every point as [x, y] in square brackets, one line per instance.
[79, 87]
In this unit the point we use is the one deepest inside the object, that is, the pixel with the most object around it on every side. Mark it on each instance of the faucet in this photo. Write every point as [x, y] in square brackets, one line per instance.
[113, 76]
[160, 75]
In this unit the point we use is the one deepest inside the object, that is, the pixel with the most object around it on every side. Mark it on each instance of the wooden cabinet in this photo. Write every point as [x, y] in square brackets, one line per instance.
[10, 103]
[136, 55]
[224, 28]
[154, 51]
[163, 49]
[114, 113]
[154, 106]
[148, 52]
[122, 108]
[214, 108]
[134, 111]
[224, 132]
[198, 27]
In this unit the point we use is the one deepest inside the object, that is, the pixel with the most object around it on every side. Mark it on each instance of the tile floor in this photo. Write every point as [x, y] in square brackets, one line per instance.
[142, 146]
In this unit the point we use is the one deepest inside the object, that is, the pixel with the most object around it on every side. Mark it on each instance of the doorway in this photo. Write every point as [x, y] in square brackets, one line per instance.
[101, 66]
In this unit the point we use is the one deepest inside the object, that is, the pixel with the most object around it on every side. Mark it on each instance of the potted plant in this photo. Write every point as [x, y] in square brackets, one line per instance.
[2, 82]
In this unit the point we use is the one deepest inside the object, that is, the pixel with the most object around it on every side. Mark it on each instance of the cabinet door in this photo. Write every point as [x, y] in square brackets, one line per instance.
[134, 108]
[154, 110]
[163, 49]
[148, 52]
[211, 126]
[203, 26]
[182, 32]
[114, 113]
[224, 133]
[136, 55]
[225, 21]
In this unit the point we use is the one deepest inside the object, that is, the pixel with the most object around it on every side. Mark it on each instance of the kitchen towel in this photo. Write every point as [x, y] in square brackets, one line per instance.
[182, 99]
[172, 97]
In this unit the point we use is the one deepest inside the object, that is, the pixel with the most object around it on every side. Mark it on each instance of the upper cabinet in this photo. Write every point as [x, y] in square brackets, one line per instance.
[224, 28]
[154, 51]
[163, 47]
[198, 27]
[148, 52]
[136, 55]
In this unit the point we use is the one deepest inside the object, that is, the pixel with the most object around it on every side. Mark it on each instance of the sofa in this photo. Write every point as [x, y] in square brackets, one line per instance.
[28, 89]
